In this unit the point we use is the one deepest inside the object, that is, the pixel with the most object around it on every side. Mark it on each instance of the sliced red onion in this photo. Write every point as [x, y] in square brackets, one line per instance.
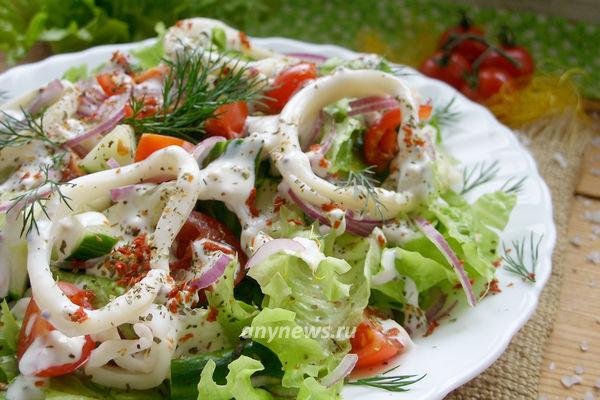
[111, 162]
[90, 100]
[357, 227]
[317, 59]
[341, 371]
[435, 309]
[46, 96]
[120, 193]
[387, 104]
[203, 148]
[438, 240]
[364, 101]
[212, 274]
[272, 247]
[111, 113]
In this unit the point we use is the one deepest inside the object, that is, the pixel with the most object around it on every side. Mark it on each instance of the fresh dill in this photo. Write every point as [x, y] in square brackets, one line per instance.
[481, 173]
[395, 383]
[513, 185]
[15, 132]
[364, 184]
[198, 82]
[31, 200]
[443, 116]
[515, 257]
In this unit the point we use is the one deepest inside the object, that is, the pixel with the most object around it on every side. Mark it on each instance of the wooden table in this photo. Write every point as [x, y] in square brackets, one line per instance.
[577, 325]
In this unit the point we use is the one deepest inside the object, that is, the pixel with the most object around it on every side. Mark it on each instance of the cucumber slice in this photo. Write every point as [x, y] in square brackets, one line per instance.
[93, 245]
[83, 237]
[119, 145]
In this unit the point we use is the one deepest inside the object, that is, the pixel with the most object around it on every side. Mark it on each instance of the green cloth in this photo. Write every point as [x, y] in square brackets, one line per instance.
[408, 28]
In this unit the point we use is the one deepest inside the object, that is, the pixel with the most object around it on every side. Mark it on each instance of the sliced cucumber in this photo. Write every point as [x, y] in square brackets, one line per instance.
[119, 145]
[83, 237]
[93, 245]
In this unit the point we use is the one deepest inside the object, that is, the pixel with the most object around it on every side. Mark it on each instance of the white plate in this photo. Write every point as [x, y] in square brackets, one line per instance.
[457, 351]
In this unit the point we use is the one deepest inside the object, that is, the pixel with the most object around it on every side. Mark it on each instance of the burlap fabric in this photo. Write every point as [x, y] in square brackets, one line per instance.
[515, 375]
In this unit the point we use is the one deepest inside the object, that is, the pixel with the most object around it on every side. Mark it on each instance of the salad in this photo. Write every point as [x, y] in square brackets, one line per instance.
[206, 219]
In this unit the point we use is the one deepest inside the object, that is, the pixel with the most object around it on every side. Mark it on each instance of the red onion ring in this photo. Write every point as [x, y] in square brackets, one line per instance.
[317, 59]
[272, 247]
[46, 96]
[203, 148]
[442, 245]
[212, 274]
[386, 104]
[114, 113]
[341, 371]
[355, 226]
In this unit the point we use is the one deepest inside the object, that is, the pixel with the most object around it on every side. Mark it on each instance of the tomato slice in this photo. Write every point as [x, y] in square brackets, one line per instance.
[286, 84]
[228, 121]
[157, 72]
[109, 86]
[372, 346]
[380, 142]
[35, 326]
[150, 142]
[198, 226]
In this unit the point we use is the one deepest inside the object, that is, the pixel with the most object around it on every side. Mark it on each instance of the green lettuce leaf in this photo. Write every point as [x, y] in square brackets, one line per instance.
[344, 153]
[233, 314]
[150, 56]
[239, 384]
[9, 336]
[74, 74]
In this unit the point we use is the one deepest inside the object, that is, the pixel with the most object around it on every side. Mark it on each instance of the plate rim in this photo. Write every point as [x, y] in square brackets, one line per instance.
[546, 253]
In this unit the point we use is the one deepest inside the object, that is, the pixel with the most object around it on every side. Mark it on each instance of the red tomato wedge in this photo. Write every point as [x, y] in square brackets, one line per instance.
[372, 346]
[199, 226]
[228, 121]
[35, 326]
[150, 142]
[380, 142]
[286, 84]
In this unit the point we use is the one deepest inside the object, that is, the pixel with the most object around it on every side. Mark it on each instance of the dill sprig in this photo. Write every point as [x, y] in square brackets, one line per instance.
[364, 184]
[516, 263]
[481, 173]
[513, 185]
[29, 201]
[15, 132]
[195, 86]
[395, 383]
[443, 116]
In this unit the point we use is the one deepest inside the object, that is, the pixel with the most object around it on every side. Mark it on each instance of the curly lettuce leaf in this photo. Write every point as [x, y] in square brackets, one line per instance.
[239, 383]
[150, 56]
[344, 153]
[232, 314]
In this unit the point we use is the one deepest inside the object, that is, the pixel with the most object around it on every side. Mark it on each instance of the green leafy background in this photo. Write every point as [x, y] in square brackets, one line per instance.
[404, 29]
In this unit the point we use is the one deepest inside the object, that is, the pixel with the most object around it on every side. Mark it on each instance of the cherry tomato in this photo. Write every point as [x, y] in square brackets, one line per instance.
[489, 82]
[372, 346]
[525, 65]
[468, 48]
[228, 121]
[286, 84]
[380, 142]
[35, 326]
[451, 70]
[198, 226]
[109, 86]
